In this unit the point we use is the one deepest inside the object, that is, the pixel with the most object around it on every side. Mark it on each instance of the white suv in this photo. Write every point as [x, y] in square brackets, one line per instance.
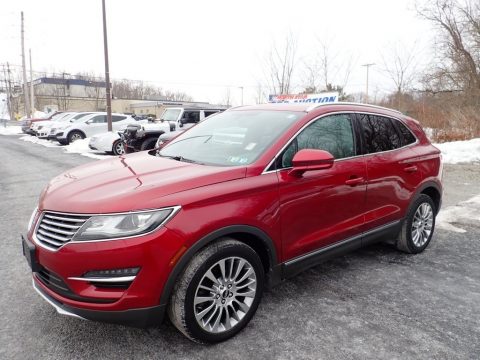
[88, 126]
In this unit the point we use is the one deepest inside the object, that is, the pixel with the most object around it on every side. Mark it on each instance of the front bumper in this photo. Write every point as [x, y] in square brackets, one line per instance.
[60, 277]
[143, 317]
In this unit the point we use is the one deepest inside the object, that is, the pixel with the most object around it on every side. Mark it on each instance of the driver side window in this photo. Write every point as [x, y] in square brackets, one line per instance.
[332, 133]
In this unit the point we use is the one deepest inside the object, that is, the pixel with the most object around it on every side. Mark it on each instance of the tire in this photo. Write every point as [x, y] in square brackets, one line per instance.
[75, 135]
[148, 144]
[62, 142]
[221, 317]
[118, 147]
[418, 227]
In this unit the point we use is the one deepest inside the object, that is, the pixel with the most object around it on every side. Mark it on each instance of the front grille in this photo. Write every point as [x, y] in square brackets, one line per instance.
[55, 230]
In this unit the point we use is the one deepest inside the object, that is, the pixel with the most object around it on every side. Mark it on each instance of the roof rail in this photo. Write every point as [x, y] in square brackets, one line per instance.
[351, 103]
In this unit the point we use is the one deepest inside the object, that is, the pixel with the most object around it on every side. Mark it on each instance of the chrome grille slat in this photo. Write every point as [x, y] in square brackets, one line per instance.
[54, 223]
[54, 236]
[55, 229]
[63, 232]
[49, 241]
[71, 219]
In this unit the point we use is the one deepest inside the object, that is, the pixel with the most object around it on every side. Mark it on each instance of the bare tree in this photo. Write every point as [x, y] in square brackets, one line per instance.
[227, 98]
[328, 69]
[281, 64]
[458, 24]
[400, 65]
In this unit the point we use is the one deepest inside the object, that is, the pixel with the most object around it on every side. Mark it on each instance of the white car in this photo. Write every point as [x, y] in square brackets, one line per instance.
[88, 126]
[45, 130]
[110, 142]
[38, 125]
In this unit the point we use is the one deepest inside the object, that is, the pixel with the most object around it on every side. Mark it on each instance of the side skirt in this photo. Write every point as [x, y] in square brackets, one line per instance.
[294, 266]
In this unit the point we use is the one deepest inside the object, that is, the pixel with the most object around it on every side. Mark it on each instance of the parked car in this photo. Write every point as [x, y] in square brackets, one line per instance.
[38, 125]
[26, 124]
[45, 131]
[111, 142]
[168, 136]
[239, 202]
[139, 138]
[87, 126]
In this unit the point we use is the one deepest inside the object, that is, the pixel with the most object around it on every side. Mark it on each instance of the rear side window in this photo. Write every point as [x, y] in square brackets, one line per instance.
[116, 118]
[99, 119]
[379, 134]
[405, 134]
[208, 113]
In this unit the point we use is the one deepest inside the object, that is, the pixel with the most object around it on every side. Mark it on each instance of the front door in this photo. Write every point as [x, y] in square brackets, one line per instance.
[324, 206]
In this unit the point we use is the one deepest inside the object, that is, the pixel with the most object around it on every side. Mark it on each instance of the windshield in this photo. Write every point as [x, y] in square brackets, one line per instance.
[171, 114]
[231, 138]
[79, 117]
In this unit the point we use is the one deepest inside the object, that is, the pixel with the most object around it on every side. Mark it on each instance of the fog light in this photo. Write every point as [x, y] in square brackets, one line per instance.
[112, 273]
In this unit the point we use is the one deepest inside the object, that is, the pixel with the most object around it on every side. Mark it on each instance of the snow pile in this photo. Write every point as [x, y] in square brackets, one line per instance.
[10, 130]
[457, 152]
[81, 147]
[35, 140]
[451, 217]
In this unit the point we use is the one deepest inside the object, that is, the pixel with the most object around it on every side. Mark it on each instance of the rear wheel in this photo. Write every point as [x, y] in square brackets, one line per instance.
[118, 147]
[418, 227]
[74, 136]
[218, 293]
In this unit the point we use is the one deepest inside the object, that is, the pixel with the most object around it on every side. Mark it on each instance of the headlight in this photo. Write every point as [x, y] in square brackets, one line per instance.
[30, 222]
[104, 227]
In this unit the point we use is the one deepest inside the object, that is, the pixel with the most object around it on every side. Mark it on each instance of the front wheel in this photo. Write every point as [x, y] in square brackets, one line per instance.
[218, 293]
[118, 148]
[74, 136]
[418, 227]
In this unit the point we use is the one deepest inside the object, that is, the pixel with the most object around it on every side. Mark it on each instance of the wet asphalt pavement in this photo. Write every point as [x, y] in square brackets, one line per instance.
[373, 303]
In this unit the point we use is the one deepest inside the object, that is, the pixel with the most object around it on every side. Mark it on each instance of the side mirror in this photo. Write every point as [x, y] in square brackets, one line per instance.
[310, 160]
[88, 122]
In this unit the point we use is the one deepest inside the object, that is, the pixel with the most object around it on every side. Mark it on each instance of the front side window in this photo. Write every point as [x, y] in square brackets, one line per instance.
[332, 133]
[171, 114]
[191, 117]
[379, 134]
[231, 138]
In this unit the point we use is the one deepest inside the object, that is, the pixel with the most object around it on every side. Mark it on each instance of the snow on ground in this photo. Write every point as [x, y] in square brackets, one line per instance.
[77, 147]
[10, 130]
[35, 140]
[452, 217]
[81, 147]
[457, 152]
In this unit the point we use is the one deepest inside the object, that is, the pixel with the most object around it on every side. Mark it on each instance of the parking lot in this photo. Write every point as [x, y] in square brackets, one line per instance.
[374, 303]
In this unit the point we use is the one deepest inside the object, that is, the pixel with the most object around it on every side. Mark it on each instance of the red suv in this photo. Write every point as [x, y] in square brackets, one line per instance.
[239, 202]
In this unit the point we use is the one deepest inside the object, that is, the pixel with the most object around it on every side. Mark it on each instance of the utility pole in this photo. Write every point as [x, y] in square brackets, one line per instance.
[366, 91]
[32, 99]
[107, 71]
[24, 71]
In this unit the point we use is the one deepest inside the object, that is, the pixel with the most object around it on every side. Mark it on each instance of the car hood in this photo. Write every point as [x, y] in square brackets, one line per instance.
[125, 183]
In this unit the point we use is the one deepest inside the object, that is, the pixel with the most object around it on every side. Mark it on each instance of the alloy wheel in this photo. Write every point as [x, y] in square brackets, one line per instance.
[225, 294]
[422, 224]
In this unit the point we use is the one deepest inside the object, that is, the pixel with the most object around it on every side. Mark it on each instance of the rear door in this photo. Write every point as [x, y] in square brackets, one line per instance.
[325, 206]
[392, 175]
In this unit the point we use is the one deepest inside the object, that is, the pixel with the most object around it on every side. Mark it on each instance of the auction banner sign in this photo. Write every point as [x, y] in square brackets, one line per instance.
[321, 98]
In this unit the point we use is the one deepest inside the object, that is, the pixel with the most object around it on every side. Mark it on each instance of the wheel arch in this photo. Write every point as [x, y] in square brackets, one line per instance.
[252, 236]
[76, 130]
[433, 190]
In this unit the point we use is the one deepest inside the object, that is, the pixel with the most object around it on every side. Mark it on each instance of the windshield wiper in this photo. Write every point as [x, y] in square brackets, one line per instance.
[180, 158]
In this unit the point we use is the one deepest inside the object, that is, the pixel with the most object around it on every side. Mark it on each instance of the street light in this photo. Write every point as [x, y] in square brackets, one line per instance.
[366, 91]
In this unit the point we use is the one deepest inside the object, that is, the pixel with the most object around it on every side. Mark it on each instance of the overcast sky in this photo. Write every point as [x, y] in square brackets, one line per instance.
[203, 47]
